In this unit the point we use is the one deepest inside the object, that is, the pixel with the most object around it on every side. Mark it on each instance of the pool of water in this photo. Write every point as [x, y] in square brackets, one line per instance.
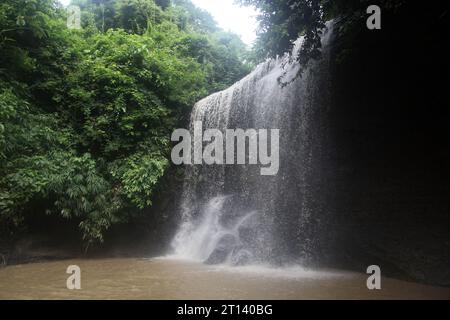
[169, 278]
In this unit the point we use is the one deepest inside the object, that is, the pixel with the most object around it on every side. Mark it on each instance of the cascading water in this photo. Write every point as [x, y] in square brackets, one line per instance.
[233, 214]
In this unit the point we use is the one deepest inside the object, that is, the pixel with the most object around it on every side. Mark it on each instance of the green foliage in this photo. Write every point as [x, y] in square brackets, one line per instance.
[86, 115]
[281, 22]
[139, 177]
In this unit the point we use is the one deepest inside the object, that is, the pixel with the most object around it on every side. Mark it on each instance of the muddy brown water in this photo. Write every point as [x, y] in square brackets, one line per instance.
[165, 278]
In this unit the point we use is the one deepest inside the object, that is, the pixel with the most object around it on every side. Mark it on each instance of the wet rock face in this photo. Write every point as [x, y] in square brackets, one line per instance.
[389, 149]
[364, 164]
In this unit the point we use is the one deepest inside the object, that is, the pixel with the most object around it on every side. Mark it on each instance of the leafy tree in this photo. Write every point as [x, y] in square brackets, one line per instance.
[198, 19]
[281, 22]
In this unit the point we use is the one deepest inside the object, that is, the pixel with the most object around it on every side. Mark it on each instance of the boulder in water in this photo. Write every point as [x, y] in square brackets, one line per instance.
[223, 249]
[241, 258]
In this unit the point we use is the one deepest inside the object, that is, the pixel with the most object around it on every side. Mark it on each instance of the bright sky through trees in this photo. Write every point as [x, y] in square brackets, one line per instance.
[232, 17]
[229, 16]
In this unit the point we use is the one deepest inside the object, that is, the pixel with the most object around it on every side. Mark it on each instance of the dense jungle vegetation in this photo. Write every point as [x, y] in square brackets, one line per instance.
[86, 115]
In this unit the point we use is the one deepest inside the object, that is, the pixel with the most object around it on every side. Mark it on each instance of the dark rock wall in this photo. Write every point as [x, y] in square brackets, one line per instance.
[390, 146]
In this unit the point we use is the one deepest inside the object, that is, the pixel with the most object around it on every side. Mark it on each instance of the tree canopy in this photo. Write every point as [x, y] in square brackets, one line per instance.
[281, 22]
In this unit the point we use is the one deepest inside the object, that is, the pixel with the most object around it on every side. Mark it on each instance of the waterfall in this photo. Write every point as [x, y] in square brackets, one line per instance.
[233, 214]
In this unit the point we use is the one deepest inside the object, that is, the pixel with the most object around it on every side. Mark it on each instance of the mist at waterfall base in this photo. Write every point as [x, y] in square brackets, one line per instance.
[231, 214]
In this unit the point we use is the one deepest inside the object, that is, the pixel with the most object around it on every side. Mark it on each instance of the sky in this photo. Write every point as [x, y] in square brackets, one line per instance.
[230, 17]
